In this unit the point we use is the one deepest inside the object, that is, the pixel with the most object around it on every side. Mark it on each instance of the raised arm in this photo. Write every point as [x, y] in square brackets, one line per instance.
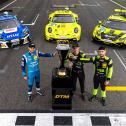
[84, 59]
[41, 54]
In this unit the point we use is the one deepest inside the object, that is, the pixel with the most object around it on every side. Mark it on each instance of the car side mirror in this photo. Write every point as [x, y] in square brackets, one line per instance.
[100, 22]
[49, 18]
[77, 19]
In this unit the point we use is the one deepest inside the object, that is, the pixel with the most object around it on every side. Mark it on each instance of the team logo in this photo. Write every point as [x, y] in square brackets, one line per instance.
[62, 96]
[35, 57]
[104, 65]
[12, 35]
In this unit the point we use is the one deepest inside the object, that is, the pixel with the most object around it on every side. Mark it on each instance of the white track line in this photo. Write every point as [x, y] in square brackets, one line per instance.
[17, 7]
[36, 19]
[2, 71]
[8, 5]
[34, 22]
[118, 4]
[78, 119]
[121, 56]
[81, 3]
[91, 5]
[120, 59]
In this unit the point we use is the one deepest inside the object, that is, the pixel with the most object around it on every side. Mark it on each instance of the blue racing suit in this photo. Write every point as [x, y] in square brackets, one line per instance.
[31, 60]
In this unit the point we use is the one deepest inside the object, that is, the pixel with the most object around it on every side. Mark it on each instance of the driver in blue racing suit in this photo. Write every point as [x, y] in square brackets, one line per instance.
[31, 60]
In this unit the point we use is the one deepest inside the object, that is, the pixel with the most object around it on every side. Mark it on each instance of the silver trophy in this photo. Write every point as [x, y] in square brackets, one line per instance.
[62, 48]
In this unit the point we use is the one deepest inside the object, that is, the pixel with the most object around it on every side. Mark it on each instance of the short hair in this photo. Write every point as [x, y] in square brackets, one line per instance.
[102, 48]
[75, 45]
[31, 45]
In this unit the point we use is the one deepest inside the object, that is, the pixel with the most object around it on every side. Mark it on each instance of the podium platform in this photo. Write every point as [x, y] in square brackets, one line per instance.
[62, 90]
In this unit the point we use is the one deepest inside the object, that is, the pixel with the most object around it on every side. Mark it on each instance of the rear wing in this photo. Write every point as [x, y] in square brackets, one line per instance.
[121, 12]
[61, 7]
[64, 6]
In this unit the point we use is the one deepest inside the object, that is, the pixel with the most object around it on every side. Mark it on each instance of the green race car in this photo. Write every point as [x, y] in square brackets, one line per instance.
[63, 24]
[113, 30]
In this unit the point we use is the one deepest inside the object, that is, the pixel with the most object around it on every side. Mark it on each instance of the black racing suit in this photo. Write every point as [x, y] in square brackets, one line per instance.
[77, 69]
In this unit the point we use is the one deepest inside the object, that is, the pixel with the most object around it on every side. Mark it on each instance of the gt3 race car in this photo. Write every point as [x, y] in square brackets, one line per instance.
[63, 24]
[12, 32]
[113, 30]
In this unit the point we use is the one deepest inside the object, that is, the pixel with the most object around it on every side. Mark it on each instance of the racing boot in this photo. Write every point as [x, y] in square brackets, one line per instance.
[83, 96]
[103, 102]
[92, 97]
[29, 98]
[39, 92]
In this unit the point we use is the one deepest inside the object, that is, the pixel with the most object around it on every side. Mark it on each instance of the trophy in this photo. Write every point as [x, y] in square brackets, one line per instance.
[62, 48]
[62, 85]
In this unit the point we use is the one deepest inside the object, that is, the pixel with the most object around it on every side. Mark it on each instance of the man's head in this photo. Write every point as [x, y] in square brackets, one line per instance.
[76, 49]
[102, 51]
[31, 47]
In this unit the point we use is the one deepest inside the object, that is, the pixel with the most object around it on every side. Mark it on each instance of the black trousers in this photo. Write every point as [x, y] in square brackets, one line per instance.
[99, 81]
[81, 76]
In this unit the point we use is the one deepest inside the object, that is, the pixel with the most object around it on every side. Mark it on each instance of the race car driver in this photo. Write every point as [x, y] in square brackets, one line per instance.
[103, 73]
[76, 60]
[31, 60]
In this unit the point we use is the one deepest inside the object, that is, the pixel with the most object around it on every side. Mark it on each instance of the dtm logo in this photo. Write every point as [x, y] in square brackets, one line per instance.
[12, 35]
[62, 96]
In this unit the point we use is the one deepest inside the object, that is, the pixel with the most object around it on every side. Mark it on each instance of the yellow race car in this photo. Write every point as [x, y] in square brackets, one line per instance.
[63, 24]
[113, 30]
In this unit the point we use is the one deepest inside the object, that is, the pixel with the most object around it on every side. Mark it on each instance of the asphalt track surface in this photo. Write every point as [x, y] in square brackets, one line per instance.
[13, 89]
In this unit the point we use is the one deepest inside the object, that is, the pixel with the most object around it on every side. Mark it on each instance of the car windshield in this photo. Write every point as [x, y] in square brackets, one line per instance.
[115, 24]
[63, 18]
[9, 24]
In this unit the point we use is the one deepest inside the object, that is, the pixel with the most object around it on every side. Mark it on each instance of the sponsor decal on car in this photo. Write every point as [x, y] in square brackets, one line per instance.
[10, 30]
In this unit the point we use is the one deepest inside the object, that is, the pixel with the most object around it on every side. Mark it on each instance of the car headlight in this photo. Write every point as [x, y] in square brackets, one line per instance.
[75, 30]
[50, 30]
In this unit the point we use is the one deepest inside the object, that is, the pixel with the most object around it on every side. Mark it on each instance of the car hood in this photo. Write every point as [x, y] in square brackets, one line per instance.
[63, 28]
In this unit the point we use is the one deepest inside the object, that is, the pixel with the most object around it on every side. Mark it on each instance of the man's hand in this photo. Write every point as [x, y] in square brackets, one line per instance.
[70, 65]
[74, 57]
[106, 83]
[25, 77]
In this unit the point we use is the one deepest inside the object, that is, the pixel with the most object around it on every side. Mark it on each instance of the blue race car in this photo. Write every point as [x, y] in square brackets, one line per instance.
[12, 31]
